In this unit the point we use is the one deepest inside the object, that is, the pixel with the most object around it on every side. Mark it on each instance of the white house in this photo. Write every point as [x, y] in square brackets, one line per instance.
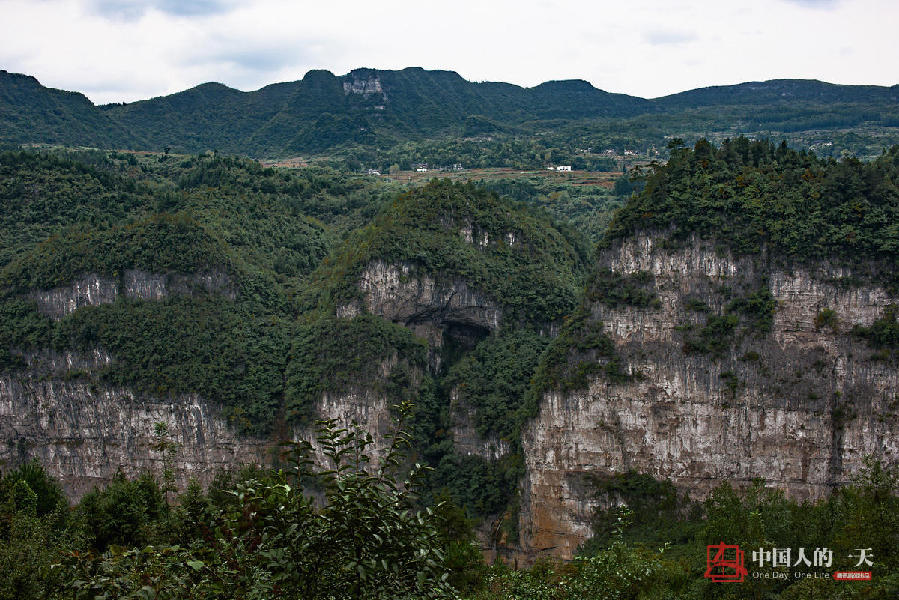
[563, 168]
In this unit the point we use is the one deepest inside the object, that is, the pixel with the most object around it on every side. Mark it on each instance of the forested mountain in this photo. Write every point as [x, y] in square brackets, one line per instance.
[781, 91]
[568, 369]
[313, 114]
[369, 108]
[166, 318]
[30, 112]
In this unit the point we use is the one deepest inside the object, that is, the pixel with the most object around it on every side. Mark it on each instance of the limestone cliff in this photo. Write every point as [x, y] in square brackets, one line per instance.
[365, 86]
[798, 405]
[85, 432]
[60, 410]
[92, 289]
[401, 294]
[430, 305]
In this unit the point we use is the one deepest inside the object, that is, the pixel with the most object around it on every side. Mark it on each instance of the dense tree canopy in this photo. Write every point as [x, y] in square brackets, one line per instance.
[755, 196]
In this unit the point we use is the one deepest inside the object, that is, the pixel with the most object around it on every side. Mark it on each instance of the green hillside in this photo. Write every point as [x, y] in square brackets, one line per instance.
[368, 113]
[515, 254]
[292, 244]
[755, 196]
[782, 92]
[32, 113]
[64, 218]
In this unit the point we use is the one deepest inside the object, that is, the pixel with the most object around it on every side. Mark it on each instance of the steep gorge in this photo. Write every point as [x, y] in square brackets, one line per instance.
[690, 347]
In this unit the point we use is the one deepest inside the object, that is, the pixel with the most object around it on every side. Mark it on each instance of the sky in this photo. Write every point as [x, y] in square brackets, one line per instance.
[125, 50]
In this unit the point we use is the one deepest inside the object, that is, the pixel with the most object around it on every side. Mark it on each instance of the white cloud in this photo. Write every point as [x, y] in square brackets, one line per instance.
[816, 3]
[115, 50]
[133, 9]
[663, 37]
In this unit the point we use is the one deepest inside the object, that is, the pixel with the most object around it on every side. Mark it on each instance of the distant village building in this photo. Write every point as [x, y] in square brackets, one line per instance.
[421, 168]
[374, 172]
[563, 168]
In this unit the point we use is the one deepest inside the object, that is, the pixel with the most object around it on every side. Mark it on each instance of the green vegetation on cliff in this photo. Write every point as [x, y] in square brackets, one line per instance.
[232, 354]
[293, 245]
[513, 254]
[580, 352]
[614, 289]
[882, 334]
[745, 315]
[755, 196]
[158, 244]
[493, 380]
[335, 356]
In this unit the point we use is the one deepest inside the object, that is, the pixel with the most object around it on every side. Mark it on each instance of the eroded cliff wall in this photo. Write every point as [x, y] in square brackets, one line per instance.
[798, 405]
[91, 289]
[84, 433]
[59, 410]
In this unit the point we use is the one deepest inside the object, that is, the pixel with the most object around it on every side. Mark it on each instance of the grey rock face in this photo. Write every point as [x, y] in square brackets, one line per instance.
[403, 295]
[365, 86]
[85, 433]
[430, 306]
[801, 412]
[92, 289]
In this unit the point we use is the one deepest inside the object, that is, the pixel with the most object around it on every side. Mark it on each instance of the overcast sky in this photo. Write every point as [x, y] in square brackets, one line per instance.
[121, 50]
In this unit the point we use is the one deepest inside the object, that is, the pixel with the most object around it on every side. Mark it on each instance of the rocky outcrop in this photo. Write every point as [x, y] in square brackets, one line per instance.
[92, 289]
[429, 305]
[362, 410]
[799, 406]
[84, 433]
[402, 294]
[365, 87]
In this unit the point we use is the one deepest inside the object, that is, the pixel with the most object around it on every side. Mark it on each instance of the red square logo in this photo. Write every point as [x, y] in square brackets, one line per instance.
[725, 563]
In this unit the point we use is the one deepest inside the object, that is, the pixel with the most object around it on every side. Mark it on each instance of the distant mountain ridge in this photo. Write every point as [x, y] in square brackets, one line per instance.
[780, 90]
[365, 106]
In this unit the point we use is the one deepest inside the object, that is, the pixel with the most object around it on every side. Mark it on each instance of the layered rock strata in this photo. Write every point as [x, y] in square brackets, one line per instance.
[799, 406]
